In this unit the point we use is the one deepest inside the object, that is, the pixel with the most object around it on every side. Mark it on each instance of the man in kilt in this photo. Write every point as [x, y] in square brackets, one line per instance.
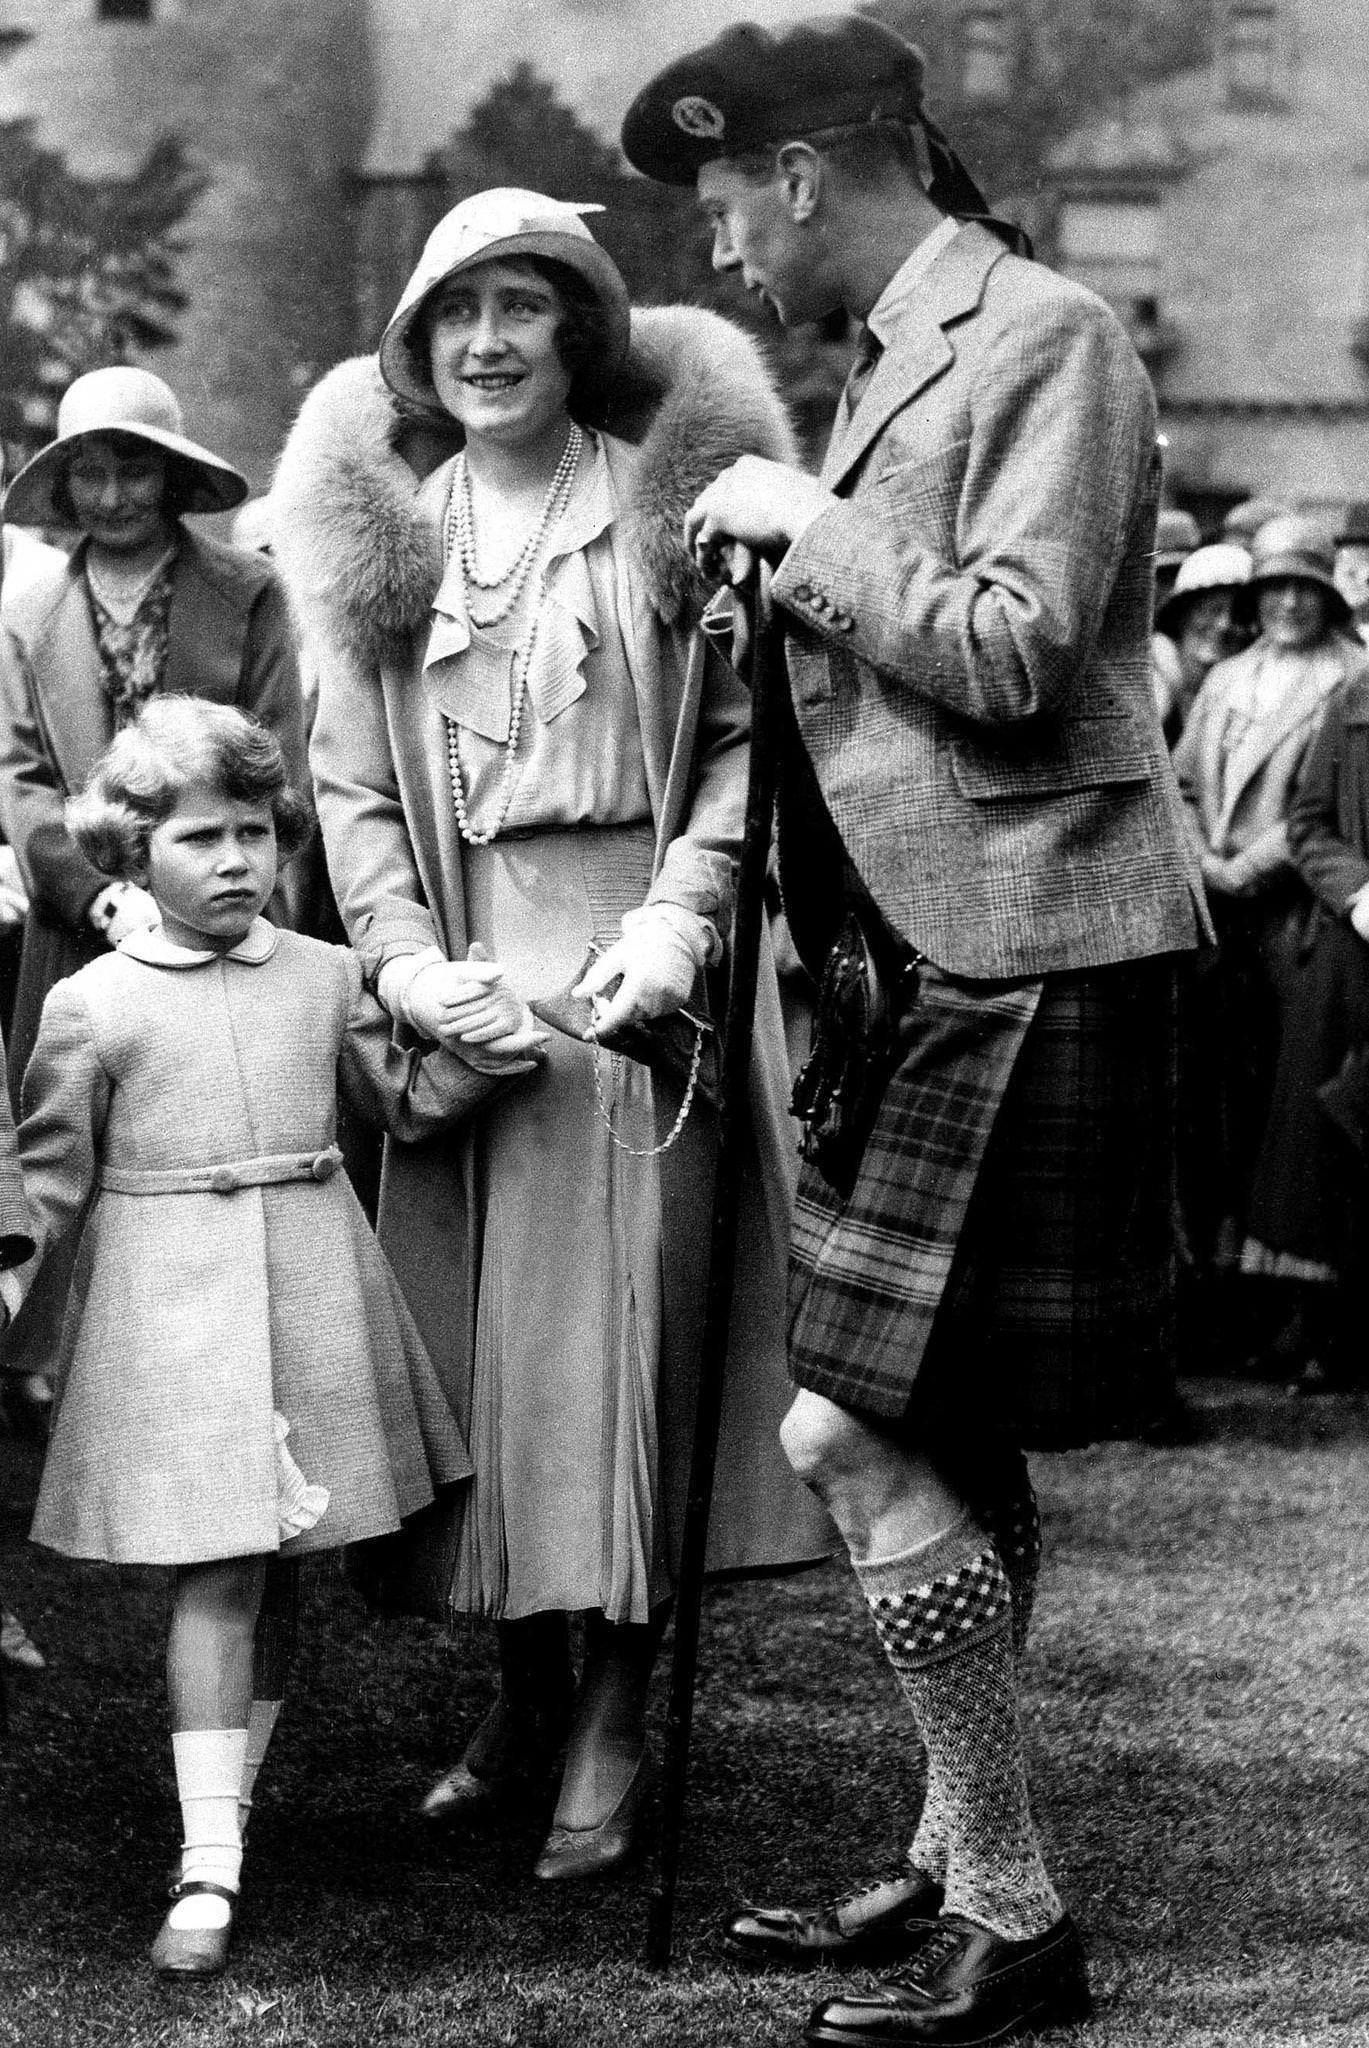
[983, 864]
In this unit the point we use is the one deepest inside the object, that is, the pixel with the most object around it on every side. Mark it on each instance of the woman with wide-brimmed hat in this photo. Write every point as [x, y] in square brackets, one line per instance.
[1204, 620]
[1238, 763]
[522, 740]
[144, 603]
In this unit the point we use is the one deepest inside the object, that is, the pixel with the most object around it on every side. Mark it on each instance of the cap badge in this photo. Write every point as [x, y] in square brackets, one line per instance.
[698, 116]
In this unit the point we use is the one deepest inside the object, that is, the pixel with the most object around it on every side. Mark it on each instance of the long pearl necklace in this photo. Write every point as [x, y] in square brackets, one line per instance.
[121, 599]
[460, 528]
[459, 538]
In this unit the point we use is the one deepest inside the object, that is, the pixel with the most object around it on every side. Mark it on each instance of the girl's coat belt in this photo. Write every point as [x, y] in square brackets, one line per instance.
[226, 1176]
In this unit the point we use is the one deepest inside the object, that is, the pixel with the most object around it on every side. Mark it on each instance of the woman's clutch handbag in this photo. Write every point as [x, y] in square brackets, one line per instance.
[670, 1047]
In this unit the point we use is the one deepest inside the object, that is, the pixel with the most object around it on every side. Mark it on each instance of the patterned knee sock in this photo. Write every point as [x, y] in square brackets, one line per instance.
[1004, 1506]
[944, 1613]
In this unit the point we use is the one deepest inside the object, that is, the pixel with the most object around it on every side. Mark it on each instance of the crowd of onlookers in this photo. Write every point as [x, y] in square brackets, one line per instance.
[1261, 678]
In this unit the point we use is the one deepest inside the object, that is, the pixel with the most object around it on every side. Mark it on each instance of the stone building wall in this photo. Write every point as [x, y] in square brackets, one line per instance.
[274, 95]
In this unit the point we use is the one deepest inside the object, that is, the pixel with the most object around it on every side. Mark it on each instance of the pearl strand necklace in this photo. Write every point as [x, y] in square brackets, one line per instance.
[459, 536]
[459, 528]
[121, 601]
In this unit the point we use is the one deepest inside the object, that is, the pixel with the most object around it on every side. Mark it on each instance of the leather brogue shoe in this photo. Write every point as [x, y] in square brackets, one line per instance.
[964, 1987]
[879, 1921]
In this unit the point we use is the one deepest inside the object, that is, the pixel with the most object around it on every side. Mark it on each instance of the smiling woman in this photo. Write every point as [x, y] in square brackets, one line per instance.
[523, 742]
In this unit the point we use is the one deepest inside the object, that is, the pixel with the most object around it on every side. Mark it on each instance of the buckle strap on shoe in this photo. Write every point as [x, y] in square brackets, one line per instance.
[191, 1887]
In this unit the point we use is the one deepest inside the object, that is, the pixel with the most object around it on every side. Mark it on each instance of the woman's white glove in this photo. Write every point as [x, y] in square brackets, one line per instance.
[659, 957]
[1359, 913]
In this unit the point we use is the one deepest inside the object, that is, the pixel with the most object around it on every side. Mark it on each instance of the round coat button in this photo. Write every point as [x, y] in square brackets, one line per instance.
[324, 1166]
[223, 1180]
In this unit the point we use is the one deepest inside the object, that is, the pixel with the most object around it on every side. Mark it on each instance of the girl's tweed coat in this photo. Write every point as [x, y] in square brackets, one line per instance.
[195, 1316]
[357, 517]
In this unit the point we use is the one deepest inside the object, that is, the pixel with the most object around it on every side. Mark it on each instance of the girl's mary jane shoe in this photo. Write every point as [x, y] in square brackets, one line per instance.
[194, 1951]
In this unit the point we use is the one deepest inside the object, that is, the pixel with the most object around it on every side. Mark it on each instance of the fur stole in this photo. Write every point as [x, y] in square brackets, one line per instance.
[361, 564]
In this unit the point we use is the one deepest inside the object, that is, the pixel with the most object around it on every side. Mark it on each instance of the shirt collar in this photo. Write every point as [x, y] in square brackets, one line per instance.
[155, 949]
[887, 310]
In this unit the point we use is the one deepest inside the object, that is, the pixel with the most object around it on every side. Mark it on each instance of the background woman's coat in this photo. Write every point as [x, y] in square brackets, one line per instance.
[230, 641]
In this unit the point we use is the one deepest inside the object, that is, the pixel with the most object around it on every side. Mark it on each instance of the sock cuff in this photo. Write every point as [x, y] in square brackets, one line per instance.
[209, 1762]
[924, 1562]
[936, 1601]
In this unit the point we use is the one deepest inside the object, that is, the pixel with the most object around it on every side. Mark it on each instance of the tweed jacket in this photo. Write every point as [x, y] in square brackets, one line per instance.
[197, 1311]
[230, 640]
[1238, 775]
[969, 629]
[357, 513]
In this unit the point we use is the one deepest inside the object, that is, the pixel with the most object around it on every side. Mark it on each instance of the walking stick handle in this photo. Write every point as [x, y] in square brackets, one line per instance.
[766, 664]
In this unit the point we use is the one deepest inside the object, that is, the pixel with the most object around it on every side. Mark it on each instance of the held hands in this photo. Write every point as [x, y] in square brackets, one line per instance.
[468, 1005]
[135, 911]
[754, 508]
[658, 966]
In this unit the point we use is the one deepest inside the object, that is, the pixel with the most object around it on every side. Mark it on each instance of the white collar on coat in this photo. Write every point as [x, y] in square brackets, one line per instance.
[155, 949]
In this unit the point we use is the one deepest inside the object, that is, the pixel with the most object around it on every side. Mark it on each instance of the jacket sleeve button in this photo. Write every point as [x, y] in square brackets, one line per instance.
[223, 1180]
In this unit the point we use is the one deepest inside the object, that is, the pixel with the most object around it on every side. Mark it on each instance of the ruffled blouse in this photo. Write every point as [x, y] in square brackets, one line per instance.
[580, 759]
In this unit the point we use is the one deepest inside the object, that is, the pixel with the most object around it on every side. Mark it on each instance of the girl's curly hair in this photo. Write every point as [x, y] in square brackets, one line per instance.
[177, 741]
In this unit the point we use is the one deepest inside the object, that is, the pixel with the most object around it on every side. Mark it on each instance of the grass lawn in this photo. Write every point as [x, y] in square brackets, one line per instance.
[1197, 1726]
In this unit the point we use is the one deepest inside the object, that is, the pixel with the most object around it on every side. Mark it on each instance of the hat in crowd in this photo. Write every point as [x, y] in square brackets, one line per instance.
[504, 222]
[1176, 536]
[1244, 521]
[753, 87]
[1354, 525]
[1220, 566]
[1295, 545]
[121, 400]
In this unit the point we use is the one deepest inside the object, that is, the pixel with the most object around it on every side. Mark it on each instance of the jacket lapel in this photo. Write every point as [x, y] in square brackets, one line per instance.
[208, 630]
[66, 680]
[916, 347]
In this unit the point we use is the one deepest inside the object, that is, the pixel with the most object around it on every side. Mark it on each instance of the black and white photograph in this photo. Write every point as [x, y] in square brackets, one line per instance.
[684, 973]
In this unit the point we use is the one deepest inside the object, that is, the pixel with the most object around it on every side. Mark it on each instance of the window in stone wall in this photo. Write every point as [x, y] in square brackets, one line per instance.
[1250, 54]
[1112, 244]
[986, 45]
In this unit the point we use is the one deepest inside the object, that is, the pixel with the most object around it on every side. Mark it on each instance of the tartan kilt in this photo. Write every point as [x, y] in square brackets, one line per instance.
[1007, 1254]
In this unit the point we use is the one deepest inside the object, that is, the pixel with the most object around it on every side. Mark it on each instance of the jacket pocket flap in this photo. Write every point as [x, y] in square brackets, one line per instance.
[1085, 753]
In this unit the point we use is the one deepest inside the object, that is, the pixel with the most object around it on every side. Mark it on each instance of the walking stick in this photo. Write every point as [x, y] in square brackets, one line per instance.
[766, 661]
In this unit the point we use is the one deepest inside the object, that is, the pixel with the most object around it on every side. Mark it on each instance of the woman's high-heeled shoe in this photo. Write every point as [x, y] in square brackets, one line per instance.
[610, 1843]
[505, 1761]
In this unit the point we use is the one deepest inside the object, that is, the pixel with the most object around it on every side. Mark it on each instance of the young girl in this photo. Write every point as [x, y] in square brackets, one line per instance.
[239, 1374]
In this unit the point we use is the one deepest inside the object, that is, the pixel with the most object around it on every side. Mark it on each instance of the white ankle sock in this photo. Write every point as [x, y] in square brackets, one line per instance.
[261, 1726]
[209, 1773]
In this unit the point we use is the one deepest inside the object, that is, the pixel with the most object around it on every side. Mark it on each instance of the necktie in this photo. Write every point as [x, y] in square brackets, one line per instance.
[869, 349]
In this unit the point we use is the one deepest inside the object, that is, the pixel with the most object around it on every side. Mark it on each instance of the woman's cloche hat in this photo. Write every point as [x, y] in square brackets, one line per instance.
[503, 222]
[1220, 566]
[121, 400]
[1298, 546]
